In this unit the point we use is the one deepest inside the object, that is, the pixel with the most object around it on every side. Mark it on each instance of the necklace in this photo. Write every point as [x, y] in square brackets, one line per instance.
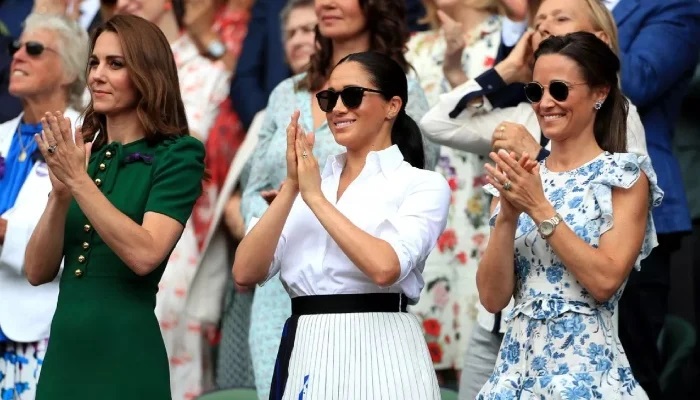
[23, 152]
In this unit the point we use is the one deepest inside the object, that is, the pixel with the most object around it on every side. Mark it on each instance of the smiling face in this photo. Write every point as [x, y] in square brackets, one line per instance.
[560, 120]
[340, 19]
[559, 17]
[367, 124]
[37, 75]
[108, 77]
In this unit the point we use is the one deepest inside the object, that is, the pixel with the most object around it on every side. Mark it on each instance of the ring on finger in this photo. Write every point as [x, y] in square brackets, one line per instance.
[507, 186]
[304, 155]
[52, 149]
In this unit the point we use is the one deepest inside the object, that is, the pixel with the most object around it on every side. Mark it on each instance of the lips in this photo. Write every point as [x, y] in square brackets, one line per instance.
[19, 72]
[552, 117]
[343, 123]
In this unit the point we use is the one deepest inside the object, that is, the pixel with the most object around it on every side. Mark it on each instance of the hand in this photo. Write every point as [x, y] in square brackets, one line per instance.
[199, 18]
[455, 42]
[270, 195]
[525, 191]
[515, 138]
[308, 173]
[508, 211]
[517, 67]
[68, 162]
[68, 8]
[515, 10]
[292, 130]
[233, 217]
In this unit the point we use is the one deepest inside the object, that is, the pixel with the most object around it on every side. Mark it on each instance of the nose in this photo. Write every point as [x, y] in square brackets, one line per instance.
[547, 100]
[544, 29]
[97, 73]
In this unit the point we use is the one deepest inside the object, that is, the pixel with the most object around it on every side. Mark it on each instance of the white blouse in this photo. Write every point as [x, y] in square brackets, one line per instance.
[390, 199]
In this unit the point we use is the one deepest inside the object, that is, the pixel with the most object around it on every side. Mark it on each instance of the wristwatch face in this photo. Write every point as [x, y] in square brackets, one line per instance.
[546, 228]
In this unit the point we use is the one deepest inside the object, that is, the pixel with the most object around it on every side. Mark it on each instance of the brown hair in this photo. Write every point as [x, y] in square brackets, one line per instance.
[153, 73]
[388, 30]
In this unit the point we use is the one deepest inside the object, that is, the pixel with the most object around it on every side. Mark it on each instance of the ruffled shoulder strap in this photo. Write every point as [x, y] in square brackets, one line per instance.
[623, 170]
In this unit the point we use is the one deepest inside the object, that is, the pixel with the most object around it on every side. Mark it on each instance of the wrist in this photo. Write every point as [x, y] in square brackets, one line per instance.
[78, 183]
[506, 71]
[542, 212]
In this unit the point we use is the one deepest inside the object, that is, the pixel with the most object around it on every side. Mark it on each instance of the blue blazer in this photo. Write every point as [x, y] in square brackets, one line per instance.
[659, 44]
[261, 65]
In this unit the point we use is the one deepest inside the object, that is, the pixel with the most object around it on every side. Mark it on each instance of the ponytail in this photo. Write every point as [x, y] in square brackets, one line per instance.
[610, 126]
[407, 136]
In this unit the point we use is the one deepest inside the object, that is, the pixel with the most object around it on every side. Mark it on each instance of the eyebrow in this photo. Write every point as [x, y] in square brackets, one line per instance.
[554, 13]
[108, 57]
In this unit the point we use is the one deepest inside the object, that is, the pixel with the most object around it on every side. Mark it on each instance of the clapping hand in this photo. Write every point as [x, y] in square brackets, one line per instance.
[518, 182]
[514, 138]
[455, 42]
[498, 178]
[66, 154]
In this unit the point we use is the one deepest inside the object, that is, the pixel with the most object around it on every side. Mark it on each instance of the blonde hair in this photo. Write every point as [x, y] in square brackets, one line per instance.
[431, 18]
[600, 18]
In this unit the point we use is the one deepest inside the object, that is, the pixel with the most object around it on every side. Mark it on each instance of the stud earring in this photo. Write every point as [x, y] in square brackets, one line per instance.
[598, 105]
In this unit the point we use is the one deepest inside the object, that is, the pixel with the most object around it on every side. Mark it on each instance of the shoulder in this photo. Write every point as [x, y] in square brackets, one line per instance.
[424, 180]
[622, 170]
[180, 147]
[10, 125]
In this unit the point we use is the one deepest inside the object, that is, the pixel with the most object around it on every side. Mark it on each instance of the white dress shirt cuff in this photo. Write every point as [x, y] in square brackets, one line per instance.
[511, 31]
[16, 238]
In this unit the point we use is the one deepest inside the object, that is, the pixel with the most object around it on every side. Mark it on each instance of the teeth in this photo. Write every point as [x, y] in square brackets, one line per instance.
[551, 117]
[17, 72]
[343, 124]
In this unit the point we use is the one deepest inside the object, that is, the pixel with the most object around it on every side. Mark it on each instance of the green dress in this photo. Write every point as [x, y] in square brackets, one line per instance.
[105, 341]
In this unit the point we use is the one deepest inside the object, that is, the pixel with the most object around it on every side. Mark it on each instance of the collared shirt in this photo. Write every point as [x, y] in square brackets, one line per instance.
[391, 200]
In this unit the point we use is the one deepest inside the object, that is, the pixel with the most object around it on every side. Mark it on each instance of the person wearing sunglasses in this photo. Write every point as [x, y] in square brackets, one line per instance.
[349, 241]
[344, 27]
[575, 226]
[46, 74]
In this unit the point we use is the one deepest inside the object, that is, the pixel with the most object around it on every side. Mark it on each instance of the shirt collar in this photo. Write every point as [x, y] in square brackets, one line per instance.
[384, 161]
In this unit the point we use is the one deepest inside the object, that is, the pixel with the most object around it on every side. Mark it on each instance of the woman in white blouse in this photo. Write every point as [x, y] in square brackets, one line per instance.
[350, 244]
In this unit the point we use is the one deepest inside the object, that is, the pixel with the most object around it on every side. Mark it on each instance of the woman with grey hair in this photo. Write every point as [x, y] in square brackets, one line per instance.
[46, 74]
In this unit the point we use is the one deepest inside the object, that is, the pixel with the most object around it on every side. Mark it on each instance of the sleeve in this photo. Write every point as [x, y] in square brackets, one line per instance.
[623, 171]
[177, 178]
[416, 108]
[472, 130]
[650, 66]
[258, 178]
[636, 138]
[202, 100]
[511, 31]
[413, 231]
[249, 92]
[19, 229]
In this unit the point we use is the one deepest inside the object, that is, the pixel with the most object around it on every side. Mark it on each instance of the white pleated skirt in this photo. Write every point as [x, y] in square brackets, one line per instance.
[374, 355]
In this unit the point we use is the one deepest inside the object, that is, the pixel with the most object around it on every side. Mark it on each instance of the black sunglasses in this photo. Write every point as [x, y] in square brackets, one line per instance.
[559, 90]
[33, 48]
[351, 96]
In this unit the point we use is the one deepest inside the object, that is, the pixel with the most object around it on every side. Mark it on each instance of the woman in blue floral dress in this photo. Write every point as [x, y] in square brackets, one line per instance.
[581, 220]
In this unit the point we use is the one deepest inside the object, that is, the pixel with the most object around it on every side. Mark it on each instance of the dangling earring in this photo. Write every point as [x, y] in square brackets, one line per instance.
[598, 105]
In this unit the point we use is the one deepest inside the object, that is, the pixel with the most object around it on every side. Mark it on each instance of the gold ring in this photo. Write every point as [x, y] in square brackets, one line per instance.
[507, 186]
[304, 155]
[502, 128]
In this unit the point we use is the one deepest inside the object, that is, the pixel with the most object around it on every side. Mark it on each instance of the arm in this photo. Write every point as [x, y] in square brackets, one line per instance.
[42, 258]
[650, 67]
[402, 242]
[604, 269]
[472, 130]
[256, 252]
[495, 277]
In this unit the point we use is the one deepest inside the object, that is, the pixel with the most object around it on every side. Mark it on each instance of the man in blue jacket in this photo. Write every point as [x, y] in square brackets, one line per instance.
[659, 44]
[261, 65]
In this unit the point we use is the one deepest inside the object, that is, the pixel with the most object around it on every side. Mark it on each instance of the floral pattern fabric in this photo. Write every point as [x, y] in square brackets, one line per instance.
[20, 366]
[560, 342]
[447, 307]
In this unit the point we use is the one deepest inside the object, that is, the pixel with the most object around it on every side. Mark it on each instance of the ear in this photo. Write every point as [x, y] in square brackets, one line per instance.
[393, 107]
[601, 93]
[604, 37]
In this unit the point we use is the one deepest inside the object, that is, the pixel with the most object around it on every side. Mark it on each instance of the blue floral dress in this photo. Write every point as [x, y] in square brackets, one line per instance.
[560, 342]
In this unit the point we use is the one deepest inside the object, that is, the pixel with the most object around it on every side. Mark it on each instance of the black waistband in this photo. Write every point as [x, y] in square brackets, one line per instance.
[349, 303]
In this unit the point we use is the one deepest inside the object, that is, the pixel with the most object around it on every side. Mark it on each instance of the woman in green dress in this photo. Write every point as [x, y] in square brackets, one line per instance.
[110, 228]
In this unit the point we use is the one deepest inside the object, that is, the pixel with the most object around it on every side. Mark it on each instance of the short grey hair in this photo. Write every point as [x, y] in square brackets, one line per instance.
[290, 6]
[73, 47]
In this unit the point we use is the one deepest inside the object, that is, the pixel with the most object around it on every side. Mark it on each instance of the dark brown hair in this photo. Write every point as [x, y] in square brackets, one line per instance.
[152, 71]
[388, 30]
[599, 66]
